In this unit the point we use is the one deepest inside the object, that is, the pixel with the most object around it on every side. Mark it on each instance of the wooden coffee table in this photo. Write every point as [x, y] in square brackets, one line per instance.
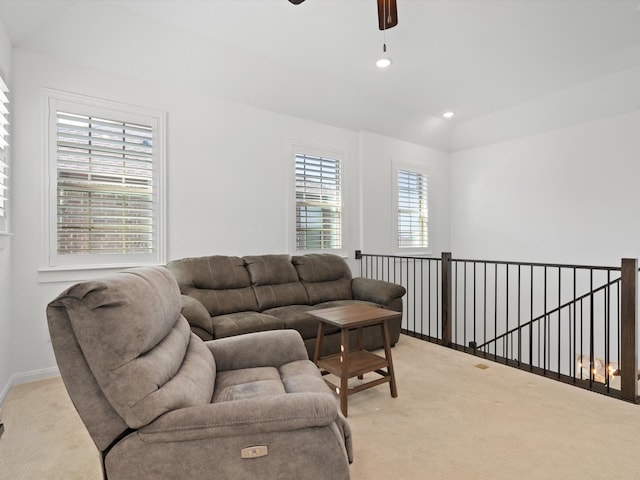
[348, 364]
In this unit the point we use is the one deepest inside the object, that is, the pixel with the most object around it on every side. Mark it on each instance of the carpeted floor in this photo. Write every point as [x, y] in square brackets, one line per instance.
[451, 420]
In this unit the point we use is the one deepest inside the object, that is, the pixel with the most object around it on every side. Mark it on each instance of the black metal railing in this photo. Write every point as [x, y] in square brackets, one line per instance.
[421, 276]
[573, 323]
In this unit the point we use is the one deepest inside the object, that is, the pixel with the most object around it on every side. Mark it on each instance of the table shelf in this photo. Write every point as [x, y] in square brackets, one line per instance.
[360, 362]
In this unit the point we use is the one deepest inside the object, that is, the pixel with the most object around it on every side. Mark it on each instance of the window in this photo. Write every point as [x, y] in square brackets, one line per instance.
[106, 192]
[4, 162]
[318, 193]
[412, 211]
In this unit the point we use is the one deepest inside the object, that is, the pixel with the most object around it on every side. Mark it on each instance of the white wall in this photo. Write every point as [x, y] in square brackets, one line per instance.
[601, 97]
[228, 176]
[569, 196]
[5, 245]
[378, 204]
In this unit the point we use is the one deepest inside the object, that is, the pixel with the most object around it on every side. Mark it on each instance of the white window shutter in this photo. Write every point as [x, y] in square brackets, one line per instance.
[4, 132]
[318, 202]
[413, 217]
[105, 186]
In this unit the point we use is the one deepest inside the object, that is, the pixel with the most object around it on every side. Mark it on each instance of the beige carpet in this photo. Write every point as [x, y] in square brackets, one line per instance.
[451, 420]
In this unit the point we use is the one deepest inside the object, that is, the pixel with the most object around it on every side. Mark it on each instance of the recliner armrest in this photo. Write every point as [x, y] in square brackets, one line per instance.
[271, 348]
[196, 313]
[272, 413]
[376, 291]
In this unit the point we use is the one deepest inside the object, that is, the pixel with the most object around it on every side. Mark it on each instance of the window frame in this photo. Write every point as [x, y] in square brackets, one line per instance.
[415, 169]
[5, 159]
[55, 101]
[323, 152]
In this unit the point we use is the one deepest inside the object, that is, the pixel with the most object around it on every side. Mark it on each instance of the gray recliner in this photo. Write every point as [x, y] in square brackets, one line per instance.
[159, 403]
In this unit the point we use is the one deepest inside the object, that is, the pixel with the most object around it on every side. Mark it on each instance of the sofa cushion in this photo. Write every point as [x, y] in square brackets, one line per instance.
[270, 296]
[342, 303]
[297, 317]
[138, 345]
[216, 272]
[325, 277]
[221, 283]
[244, 322]
[270, 269]
[220, 302]
[275, 281]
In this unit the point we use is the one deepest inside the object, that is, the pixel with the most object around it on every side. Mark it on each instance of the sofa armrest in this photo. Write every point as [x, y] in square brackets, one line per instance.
[272, 413]
[196, 314]
[376, 291]
[272, 348]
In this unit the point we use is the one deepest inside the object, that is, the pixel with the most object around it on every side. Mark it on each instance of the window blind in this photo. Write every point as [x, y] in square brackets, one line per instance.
[318, 203]
[412, 210]
[104, 186]
[4, 132]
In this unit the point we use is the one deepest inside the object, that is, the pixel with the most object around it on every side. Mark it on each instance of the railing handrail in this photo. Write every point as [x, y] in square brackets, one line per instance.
[501, 262]
[413, 257]
[538, 264]
[550, 312]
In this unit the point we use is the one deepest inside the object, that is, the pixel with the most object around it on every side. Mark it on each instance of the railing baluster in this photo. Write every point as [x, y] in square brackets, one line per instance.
[592, 363]
[421, 297]
[446, 298]
[484, 316]
[559, 318]
[495, 305]
[531, 325]
[429, 297]
[581, 335]
[628, 334]
[544, 343]
[506, 306]
[474, 308]
[573, 359]
[519, 316]
[607, 360]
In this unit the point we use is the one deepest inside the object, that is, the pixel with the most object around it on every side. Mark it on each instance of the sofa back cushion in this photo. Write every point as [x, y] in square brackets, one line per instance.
[275, 281]
[137, 345]
[325, 276]
[221, 283]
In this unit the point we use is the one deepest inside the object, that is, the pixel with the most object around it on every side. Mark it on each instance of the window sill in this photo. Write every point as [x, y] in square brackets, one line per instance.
[409, 252]
[339, 253]
[72, 274]
[4, 239]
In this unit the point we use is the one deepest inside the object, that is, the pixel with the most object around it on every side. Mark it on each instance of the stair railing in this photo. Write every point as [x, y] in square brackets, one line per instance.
[567, 322]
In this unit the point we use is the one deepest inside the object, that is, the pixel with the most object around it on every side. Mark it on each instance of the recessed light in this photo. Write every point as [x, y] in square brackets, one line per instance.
[383, 62]
[448, 114]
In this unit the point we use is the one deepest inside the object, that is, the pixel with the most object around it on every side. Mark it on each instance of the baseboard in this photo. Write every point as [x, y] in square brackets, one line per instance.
[26, 377]
[4, 392]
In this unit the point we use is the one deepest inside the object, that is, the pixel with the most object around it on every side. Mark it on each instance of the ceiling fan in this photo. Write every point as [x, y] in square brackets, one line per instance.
[387, 13]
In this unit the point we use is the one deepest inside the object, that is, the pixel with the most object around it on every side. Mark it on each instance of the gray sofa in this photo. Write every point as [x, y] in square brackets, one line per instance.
[225, 296]
[160, 403]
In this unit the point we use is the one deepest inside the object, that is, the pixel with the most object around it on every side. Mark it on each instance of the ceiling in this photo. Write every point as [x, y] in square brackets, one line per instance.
[316, 60]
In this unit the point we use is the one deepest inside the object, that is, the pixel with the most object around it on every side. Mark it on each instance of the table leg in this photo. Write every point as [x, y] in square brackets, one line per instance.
[344, 370]
[317, 354]
[360, 343]
[387, 353]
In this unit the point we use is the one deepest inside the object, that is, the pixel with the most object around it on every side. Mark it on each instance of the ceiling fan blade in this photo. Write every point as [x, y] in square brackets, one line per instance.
[387, 14]
[296, 2]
